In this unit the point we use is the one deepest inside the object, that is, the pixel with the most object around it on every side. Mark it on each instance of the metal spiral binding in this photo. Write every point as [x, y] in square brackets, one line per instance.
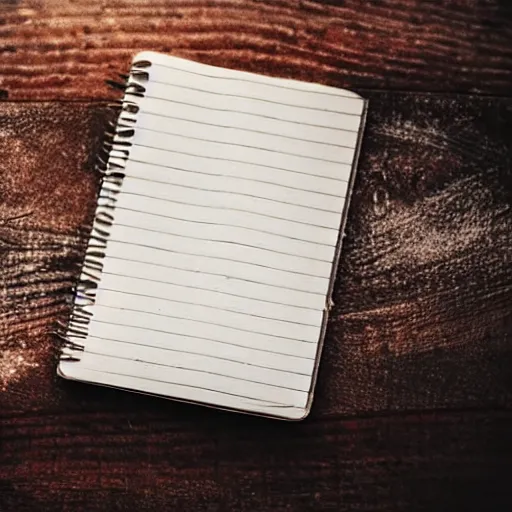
[110, 164]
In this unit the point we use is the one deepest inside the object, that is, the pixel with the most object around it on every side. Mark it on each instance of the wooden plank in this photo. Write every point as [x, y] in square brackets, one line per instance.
[422, 317]
[47, 194]
[422, 320]
[422, 314]
[166, 459]
[55, 49]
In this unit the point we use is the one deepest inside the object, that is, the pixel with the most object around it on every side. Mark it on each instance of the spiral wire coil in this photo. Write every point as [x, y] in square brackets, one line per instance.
[110, 164]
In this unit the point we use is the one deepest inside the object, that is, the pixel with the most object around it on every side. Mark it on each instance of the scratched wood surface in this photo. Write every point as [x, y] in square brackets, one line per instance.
[413, 406]
[65, 48]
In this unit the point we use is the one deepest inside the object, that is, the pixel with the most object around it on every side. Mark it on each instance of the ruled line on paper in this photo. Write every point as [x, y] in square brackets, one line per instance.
[238, 177]
[264, 144]
[167, 197]
[233, 177]
[175, 209]
[210, 356]
[188, 394]
[213, 240]
[187, 386]
[228, 81]
[209, 306]
[181, 113]
[182, 219]
[252, 98]
[216, 257]
[328, 159]
[238, 128]
[297, 363]
[265, 199]
[250, 240]
[223, 383]
[228, 270]
[99, 304]
[210, 299]
[196, 319]
[247, 146]
[238, 112]
[208, 157]
[216, 162]
[227, 375]
[338, 93]
[209, 290]
[261, 147]
[254, 196]
[151, 214]
[125, 193]
[210, 340]
[216, 274]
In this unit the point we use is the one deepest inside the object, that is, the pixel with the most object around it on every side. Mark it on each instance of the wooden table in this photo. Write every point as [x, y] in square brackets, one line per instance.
[413, 407]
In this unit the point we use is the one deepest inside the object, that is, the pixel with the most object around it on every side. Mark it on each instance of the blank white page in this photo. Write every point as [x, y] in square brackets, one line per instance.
[217, 271]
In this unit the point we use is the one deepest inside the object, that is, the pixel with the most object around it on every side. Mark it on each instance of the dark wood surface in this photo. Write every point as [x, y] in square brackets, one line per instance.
[65, 48]
[413, 405]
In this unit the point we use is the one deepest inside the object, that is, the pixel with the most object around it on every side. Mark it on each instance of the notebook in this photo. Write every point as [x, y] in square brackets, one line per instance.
[210, 264]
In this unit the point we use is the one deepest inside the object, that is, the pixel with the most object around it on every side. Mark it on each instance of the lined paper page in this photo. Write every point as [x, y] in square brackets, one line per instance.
[218, 265]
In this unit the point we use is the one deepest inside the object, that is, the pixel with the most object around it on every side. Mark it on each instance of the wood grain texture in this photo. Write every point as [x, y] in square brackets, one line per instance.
[422, 318]
[128, 459]
[421, 321]
[56, 49]
[423, 314]
[47, 193]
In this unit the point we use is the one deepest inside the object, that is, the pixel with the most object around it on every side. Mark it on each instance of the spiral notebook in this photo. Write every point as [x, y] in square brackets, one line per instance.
[218, 228]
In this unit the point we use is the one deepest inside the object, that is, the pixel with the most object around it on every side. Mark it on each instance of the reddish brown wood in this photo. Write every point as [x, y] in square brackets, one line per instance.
[423, 299]
[47, 195]
[422, 319]
[414, 327]
[65, 49]
[138, 457]
[422, 315]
